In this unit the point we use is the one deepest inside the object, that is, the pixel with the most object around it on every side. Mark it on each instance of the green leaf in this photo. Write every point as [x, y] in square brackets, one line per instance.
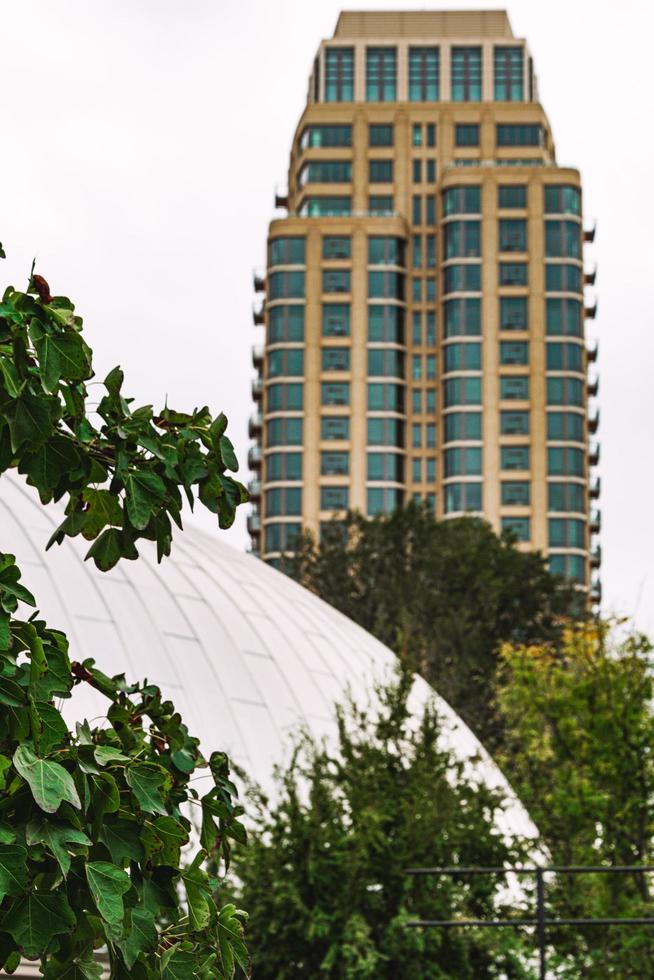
[198, 894]
[228, 454]
[54, 729]
[146, 782]
[61, 355]
[104, 754]
[13, 870]
[112, 545]
[105, 796]
[55, 837]
[5, 764]
[145, 490]
[54, 461]
[102, 508]
[122, 838]
[230, 939]
[31, 421]
[49, 782]
[81, 968]
[108, 884]
[11, 693]
[179, 965]
[172, 837]
[36, 918]
[143, 936]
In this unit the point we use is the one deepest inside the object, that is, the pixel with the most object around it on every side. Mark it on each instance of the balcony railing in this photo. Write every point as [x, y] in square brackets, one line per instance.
[592, 351]
[254, 457]
[595, 524]
[593, 422]
[593, 386]
[590, 275]
[590, 312]
[257, 355]
[594, 454]
[255, 423]
[595, 488]
[259, 315]
[257, 389]
[589, 233]
[259, 281]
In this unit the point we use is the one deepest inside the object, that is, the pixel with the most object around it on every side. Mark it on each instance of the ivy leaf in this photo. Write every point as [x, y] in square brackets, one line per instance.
[11, 693]
[108, 884]
[53, 461]
[112, 545]
[198, 894]
[49, 782]
[172, 837]
[143, 936]
[122, 839]
[31, 420]
[13, 869]
[104, 754]
[36, 918]
[230, 940]
[53, 727]
[5, 764]
[145, 490]
[102, 508]
[61, 355]
[81, 968]
[179, 965]
[56, 837]
[146, 781]
[106, 798]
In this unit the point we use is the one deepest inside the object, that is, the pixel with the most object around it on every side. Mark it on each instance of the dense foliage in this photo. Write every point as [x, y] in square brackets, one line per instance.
[443, 595]
[92, 822]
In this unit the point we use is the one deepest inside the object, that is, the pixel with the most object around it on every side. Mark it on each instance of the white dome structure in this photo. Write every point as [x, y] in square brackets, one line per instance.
[244, 652]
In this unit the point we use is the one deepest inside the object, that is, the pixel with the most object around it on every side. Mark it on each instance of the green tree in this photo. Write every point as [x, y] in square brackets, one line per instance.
[92, 821]
[579, 733]
[443, 595]
[324, 873]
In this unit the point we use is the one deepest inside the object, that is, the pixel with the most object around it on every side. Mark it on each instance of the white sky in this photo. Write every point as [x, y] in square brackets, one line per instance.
[142, 141]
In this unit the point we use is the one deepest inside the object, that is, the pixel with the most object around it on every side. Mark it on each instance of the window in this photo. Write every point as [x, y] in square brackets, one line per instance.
[466, 134]
[386, 466]
[566, 532]
[563, 317]
[423, 74]
[380, 171]
[514, 352]
[286, 361]
[380, 134]
[565, 391]
[381, 70]
[281, 536]
[286, 251]
[514, 387]
[515, 493]
[316, 207]
[383, 500]
[461, 426]
[430, 209]
[416, 209]
[336, 359]
[285, 324]
[431, 328]
[512, 196]
[283, 466]
[326, 136]
[416, 470]
[282, 285]
[417, 252]
[513, 273]
[462, 200]
[431, 251]
[336, 320]
[431, 289]
[380, 205]
[284, 432]
[466, 74]
[518, 528]
[462, 239]
[509, 74]
[431, 400]
[385, 324]
[462, 391]
[566, 497]
[462, 278]
[416, 171]
[335, 393]
[334, 427]
[285, 398]
[571, 566]
[383, 250]
[431, 367]
[431, 435]
[431, 171]
[385, 362]
[385, 397]
[416, 371]
[431, 135]
[513, 313]
[514, 457]
[416, 134]
[463, 317]
[519, 135]
[326, 172]
[334, 463]
[462, 461]
[514, 423]
[513, 235]
[334, 498]
[416, 435]
[564, 357]
[461, 497]
[565, 426]
[386, 285]
[562, 199]
[416, 400]
[284, 501]
[563, 277]
[336, 281]
[336, 247]
[563, 239]
[339, 74]
[387, 432]
[462, 357]
[565, 461]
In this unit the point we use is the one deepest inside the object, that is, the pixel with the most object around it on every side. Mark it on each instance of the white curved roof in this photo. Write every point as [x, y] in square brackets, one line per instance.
[244, 652]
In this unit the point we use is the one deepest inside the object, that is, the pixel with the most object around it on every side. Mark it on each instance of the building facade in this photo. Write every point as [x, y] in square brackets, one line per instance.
[424, 313]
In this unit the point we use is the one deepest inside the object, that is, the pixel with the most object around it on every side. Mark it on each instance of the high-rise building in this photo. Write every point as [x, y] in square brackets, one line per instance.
[424, 308]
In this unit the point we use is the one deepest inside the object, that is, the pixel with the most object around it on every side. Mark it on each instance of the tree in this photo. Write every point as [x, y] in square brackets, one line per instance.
[579, 732]
[324, 873]
[92, 821]
[442, 595]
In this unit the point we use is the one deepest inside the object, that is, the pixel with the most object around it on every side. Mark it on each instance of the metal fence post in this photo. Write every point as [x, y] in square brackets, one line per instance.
[540, 917]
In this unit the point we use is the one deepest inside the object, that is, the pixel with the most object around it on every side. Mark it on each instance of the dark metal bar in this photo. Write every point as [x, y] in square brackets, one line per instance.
[554, 868]
[540, 929]
[452, 923]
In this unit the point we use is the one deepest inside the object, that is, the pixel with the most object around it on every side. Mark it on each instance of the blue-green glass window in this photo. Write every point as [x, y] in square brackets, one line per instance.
[380, 204]
[518, 527]
[514, 457]
[565, 391]
[463, 317]
[381, 74]
[416, 435]
[385, 362]
[512, 235]
[416, 371]
[288, 361]
[508, 74]
[431, 400]
[424, 67]
[335, 359]
[385, 324]
[462, 239]
[334, 498]
[462, 200]
[430, 243]
[385, 284]
[431, 171]
[326, 172]
[336, 320]
[283, 466]
[339, 74]
[513, 313]
[462, 497]
[417, 252]
[430, 362]
[511, 134]
[385, 250]
[283, 502]
[383, 500]
[564, 357]
[335, 393]
[462, 357]
[571, 566]
[514, 387]
[282, 536]
[566, 497]
[430, 282]
[430, 209]
[514, 423]
[317, 207]
[565, 461]
[466, 134]
[334, 427]
[512, 196]
[283, 285]
[416, 134]
[284, 432]
[566, 532]
[462, 391]
[462, 278]
[336, 280]
[386, 432]
[380, 134]
[416, 400]
[380, 171]
[563, 317]
[285, 397]
[416, 209]
[431, 134]
[515, 493]
[385, 397]
[562, 199]
[431, 329]
[286, 324]
[514, 352]
[334, 463]
[462, 426]
[466, 74]
[386, 466]
[565, 426]
[326, 136]
[563, 277]
[563, 239]
[431, 435]
[416, 470]
[416, 171]
[513, 273]
[286, 251]
[462, 461]
[336, 247]
[417, 327]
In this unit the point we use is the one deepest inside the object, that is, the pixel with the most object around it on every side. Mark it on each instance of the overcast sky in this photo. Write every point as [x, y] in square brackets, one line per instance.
[142, 141]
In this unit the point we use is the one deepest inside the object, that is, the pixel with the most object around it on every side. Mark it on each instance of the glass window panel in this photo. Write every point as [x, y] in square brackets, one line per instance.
[515, 493]
[423, 74]
[336, 320]
[334, 427]
[381, 70]
[508, 64]
[466, 74]
[339, 74]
